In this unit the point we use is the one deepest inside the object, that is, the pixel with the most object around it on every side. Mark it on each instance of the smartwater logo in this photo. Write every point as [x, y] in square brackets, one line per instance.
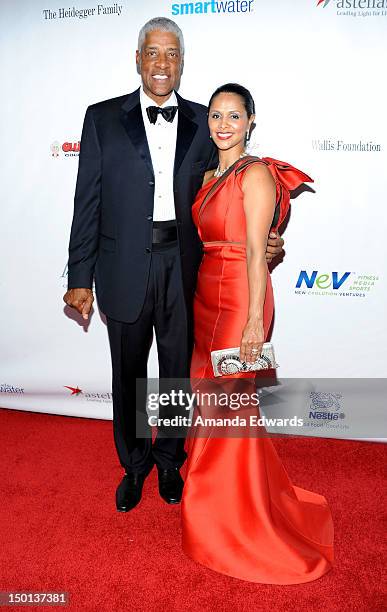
[215, 6]
[5, 388]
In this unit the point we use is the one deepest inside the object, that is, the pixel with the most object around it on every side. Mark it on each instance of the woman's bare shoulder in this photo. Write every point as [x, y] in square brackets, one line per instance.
[208, 176]
[257, 174]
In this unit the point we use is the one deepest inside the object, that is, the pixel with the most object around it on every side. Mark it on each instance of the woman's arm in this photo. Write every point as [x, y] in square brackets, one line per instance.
[259, 204]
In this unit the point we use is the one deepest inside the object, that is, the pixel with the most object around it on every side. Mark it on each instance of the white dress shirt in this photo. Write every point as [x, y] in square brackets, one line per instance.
[161, 138]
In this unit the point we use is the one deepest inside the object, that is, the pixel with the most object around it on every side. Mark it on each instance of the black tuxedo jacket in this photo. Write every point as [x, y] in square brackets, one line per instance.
[111, 233]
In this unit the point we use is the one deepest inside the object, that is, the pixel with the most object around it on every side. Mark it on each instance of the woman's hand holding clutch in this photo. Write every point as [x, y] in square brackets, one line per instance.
[253, 337]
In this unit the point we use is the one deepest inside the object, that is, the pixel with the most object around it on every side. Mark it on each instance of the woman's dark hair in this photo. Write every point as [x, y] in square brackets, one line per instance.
[241, 91]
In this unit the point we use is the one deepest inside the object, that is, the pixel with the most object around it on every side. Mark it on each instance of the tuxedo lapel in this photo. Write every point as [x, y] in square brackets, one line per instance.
[186, 130]
[131, 119]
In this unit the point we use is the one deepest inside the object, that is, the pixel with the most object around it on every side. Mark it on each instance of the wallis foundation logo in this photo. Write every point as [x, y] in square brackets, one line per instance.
[342, 146]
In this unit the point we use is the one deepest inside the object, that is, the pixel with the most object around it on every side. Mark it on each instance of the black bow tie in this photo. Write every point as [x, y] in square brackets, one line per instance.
[168, 112]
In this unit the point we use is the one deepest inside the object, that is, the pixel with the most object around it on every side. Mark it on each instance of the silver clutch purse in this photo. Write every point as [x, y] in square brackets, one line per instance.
[227, 361]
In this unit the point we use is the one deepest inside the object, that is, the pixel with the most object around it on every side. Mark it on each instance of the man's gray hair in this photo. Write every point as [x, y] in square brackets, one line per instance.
[165, 25]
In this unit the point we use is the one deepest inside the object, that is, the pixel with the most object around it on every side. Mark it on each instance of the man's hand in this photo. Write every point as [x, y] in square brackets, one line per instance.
[274, 246]
[80, 299]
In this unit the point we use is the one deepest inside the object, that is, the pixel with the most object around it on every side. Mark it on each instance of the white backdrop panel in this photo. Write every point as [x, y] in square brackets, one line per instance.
[316, 76]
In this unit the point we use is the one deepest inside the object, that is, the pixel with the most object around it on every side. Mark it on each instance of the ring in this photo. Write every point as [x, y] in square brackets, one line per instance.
[255, 350]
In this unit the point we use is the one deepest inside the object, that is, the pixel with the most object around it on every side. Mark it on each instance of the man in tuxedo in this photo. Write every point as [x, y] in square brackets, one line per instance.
[142, 160]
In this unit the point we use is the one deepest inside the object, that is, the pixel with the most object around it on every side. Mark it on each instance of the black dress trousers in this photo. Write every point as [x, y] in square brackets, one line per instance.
[164, 311]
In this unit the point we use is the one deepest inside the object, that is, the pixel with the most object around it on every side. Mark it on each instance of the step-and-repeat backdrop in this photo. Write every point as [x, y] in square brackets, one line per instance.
[317, 72]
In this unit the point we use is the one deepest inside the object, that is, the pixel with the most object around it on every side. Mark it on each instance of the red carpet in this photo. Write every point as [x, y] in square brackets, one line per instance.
[60, 530]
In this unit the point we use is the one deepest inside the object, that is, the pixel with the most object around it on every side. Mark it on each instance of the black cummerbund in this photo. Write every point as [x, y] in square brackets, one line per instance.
[164, 231]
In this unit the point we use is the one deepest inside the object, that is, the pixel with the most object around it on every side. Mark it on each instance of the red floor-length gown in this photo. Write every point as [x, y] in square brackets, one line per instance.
[241, 514]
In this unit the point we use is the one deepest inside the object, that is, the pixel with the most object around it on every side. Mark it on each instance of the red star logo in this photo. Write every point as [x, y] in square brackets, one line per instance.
[74, 390]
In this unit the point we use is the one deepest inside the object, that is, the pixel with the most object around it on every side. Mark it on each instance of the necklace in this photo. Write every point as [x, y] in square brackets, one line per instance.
[218, 172]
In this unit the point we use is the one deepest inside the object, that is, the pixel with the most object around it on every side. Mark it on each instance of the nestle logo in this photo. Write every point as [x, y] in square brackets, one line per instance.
[325, 406]
[325, 401]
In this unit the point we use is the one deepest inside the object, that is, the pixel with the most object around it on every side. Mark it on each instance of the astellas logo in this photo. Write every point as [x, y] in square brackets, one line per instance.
[89, 396]
[358, 7]
[74, 390]
[215, 6]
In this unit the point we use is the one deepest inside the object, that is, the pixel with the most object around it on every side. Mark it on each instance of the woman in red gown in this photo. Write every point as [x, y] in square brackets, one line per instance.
[241, 514]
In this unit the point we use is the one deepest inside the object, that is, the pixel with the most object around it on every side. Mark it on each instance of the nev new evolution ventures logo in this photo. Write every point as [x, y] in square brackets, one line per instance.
[214, 6]
[343, 284]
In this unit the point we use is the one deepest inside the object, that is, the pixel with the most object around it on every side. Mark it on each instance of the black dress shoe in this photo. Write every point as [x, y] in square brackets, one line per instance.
[170, 485]
[129, 491]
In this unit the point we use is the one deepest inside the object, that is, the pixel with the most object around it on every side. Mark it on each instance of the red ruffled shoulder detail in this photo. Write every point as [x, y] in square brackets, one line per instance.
[286, 177]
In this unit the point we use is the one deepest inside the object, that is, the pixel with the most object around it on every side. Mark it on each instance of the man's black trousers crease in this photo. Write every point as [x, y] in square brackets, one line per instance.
[164, 310]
